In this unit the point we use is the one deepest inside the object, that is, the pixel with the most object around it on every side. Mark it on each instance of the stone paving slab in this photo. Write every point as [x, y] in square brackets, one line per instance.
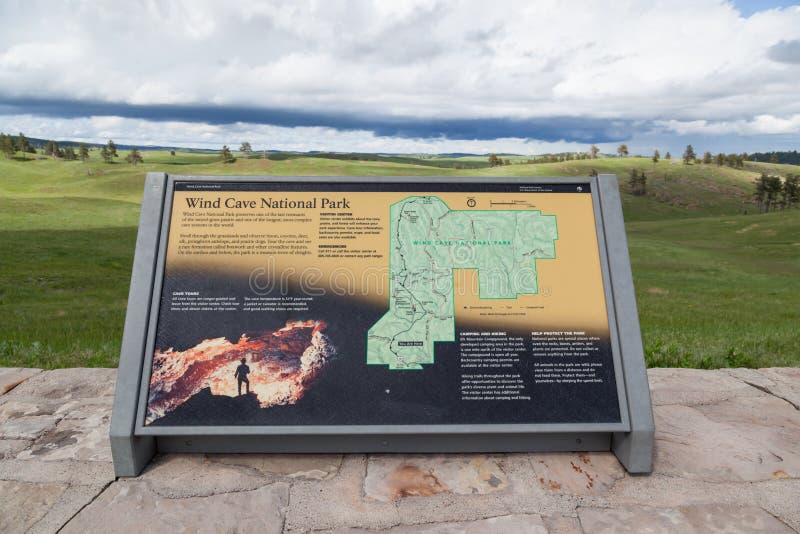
[301, 466]
[24, 504]
[68, 384]
[9, 448]
[29, 507]
[746, 439]
[392, 477]
[73, 439]
[783, 383]
[577, 473]
[69, 503]
[71, 472]
[132, 506]
[11, 377]
[15, 406]
[529, 524]
[27, 427]
[193, 475]
[727, 460]
[691, 387]
[704, 518]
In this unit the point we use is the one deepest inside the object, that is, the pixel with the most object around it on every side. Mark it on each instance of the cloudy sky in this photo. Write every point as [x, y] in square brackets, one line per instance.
[418, 76]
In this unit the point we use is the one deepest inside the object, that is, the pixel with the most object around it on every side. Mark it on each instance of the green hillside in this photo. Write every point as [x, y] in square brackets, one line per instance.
[717, 284]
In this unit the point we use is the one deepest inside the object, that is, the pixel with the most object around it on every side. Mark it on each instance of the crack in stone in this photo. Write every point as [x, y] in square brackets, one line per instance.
[25, 379]
[580, 523]
[269, 477]
[166, 495]
[400, 523]
[766, 390]
[73, 516]
[692, 404]
[779, 519]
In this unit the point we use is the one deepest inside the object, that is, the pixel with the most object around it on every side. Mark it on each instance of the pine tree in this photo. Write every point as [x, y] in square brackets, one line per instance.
[688, 155]
[105, 154]
[707, 158]
[760, 194]
[774, 190]
[245, 149]
[637, 183]
[24, 145]
[773, 158]
[69, 154]
[134, 157]
[633, 180]
[791, 191]
[656, 156]
[7, 145]
[112, 150]
[594, 151]
[83, 152]
[668, 156]
[52, 150]
[622, 150]
[494, 161]
[769, 190]
[226, 155]
[720, 160]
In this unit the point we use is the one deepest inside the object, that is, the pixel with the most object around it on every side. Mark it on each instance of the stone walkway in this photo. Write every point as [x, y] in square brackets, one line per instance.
[727, 459]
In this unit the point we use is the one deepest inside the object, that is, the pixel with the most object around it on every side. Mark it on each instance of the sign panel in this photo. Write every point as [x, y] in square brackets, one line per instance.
[286, 303]
[355, 314]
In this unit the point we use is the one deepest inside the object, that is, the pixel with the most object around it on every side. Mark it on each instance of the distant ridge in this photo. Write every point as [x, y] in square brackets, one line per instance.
[40, 143]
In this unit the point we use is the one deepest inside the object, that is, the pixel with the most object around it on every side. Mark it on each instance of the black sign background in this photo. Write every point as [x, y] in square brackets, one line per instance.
[348, 391]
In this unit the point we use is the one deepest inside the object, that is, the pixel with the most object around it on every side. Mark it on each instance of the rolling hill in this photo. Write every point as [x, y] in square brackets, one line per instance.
[717, 283]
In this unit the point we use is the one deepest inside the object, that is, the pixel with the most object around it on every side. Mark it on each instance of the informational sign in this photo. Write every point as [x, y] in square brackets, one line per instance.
[291, 306]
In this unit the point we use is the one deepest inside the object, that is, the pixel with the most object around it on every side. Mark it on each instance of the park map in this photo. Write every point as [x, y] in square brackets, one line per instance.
[428, 242]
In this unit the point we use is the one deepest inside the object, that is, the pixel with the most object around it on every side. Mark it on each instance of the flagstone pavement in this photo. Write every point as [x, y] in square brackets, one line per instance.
[727, 459]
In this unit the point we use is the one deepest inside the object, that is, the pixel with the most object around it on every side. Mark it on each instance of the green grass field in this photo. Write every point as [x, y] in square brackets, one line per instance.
[717, 284]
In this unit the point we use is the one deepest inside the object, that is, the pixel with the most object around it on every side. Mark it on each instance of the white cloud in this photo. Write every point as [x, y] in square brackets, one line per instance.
[695, 67]
[140, 133]
[682, 60]
[759, 125]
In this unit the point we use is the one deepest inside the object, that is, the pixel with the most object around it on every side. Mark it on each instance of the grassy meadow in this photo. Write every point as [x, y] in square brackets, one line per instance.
[717, 283]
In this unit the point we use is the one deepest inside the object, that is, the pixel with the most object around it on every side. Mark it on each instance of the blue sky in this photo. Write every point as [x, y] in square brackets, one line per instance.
[412, 76]
[748, 7]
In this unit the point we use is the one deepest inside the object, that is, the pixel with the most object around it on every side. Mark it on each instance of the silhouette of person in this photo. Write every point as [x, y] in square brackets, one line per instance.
[241, 376]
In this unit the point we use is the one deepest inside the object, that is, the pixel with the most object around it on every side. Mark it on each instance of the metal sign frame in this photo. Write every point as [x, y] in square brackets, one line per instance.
[133, 444]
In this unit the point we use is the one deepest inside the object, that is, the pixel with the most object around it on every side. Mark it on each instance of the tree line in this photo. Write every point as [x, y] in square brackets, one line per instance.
[10, 145]
[495, 161]
[690, 157]
[772, 192]
[785, 157]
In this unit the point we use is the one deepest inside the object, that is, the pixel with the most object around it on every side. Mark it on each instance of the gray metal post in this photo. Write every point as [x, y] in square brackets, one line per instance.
[132, 453]
[634, 449]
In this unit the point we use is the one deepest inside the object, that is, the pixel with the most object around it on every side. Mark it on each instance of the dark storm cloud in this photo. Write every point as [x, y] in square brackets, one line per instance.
[583, 130]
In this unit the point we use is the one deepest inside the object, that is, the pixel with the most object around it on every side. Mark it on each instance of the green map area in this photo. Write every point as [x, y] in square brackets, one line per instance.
[429, 241]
